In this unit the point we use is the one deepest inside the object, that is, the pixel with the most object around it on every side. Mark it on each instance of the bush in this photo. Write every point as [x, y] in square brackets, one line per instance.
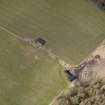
[93, 94]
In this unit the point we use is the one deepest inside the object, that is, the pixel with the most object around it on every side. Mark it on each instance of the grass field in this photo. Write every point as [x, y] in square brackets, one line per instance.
[61, 22]
[73, 29]
[27, 76]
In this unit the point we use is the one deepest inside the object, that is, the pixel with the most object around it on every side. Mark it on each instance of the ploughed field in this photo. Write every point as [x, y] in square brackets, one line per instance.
[72, 29]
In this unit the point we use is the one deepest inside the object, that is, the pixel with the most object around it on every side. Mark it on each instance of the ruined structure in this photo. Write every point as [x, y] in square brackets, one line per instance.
[40, 41]
[87, 71]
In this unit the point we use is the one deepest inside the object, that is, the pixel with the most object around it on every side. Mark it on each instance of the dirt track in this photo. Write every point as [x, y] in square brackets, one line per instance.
[94, 70]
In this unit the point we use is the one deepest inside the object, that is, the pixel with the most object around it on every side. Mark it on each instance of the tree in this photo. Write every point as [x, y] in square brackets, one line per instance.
[93, 94]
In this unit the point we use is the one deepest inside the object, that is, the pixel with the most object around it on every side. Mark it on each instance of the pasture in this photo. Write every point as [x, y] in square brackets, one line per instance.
[63, 23]
[73, 29]
[27, 75]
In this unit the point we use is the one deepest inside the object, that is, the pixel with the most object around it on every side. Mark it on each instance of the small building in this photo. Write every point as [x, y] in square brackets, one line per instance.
[70, 76]
[40, 41]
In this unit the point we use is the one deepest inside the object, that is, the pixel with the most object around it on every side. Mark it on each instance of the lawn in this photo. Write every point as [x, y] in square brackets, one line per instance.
[73, 28]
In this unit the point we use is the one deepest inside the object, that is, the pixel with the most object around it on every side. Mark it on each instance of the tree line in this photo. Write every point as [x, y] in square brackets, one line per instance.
[93, 94]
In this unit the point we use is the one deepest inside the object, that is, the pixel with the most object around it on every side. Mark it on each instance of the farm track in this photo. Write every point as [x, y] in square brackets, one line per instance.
[95, 52]
[11, 33]
[59, 19]
[49, 52]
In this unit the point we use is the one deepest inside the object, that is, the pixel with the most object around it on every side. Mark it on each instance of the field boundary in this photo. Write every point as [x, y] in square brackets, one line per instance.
[62, 91]
[11, 33]
[57, 97]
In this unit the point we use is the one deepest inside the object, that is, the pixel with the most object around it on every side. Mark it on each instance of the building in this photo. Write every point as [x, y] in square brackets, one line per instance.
[40, 41]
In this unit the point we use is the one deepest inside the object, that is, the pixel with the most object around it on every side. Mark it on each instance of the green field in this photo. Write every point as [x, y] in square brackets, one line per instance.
[73, 29]
[24, 78]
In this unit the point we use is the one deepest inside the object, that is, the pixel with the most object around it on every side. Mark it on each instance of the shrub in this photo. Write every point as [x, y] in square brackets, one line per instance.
[93, 94]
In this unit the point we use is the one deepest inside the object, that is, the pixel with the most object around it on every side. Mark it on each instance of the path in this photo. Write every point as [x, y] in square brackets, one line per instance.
[49, 52]
[97, 69]
[11, 33]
